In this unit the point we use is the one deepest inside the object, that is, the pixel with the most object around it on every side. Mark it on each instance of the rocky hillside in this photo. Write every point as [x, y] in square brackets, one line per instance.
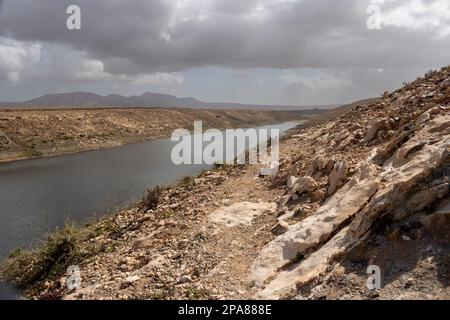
[370, 187]
[377, 175]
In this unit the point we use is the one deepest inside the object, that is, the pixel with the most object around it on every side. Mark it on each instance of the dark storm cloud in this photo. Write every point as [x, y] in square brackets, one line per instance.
[147, 36]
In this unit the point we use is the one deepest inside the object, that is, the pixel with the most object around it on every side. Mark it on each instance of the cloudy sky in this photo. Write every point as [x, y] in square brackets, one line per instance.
[253, 51]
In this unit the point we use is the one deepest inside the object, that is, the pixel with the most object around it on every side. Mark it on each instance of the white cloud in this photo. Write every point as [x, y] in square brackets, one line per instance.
[91, 70]
[17, 57]
[318, 80]
[160, 78]
[94, 70]
[431, 15]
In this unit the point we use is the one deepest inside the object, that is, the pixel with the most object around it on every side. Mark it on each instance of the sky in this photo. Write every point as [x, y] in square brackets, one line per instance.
[289, 52]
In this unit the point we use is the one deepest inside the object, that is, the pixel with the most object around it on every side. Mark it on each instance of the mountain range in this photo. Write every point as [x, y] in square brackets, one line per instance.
[147, 99]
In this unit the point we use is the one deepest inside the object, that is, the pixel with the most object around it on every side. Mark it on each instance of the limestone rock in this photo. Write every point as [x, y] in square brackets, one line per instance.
[270, 171]
[316, 228]
[320, 167]
[286, 281]
[337, 176]
[280, 228]
[241, 213]
[400, 177]
[372, 132]
[129, 281]
[424, 117]
[304, 184]
[291, 182]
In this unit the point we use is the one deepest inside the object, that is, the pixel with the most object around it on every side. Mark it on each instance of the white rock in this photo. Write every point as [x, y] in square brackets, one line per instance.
[291, 181]
[401, 173]
[226, 202]
[186, 279]
[132, 279]
[372, 132]
[423, 118]
[337, 176]
[304, 184]
[286, 281]
[316, 228]
[271, 171]
[406, 238]
[240, 213]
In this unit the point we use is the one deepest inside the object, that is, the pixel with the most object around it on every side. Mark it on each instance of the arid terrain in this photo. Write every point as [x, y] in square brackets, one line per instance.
[369, 186]
[35, 133]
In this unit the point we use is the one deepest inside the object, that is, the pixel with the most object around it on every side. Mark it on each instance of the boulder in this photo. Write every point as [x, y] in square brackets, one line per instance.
[363, 201]
[372, 131]
[304, 184]
[291, 182]
[337, 176]
[287, 281]
[280, 228]
[271, 171]
[424, 117]
[320, 167]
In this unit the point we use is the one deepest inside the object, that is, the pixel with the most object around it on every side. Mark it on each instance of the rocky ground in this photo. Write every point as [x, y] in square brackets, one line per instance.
[370, 187]
[34, 133]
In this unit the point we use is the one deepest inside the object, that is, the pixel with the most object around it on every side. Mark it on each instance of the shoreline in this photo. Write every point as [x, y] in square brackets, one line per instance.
[3, 161]
[117, 130]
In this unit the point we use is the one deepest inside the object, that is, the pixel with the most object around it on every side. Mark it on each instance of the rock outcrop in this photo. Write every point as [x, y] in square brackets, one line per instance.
[397, 169]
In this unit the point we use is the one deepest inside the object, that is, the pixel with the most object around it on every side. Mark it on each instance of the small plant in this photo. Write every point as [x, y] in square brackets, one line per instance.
[15, 253]
[299, 257]
[159, 295]
[186, 181]
[197, 294]
[151, 199]
[32, 153]
[167, 214]
[28, 269]
[217, 165]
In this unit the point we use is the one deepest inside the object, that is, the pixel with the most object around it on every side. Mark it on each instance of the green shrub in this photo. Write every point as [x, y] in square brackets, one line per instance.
[151, 199]
[61, 249]
[186, 181]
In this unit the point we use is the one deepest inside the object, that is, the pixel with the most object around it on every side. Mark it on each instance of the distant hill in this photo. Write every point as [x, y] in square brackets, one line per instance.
[334, 113]
[147, 99]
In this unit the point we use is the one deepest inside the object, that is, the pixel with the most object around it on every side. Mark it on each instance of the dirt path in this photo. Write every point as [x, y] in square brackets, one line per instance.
[185, 252]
